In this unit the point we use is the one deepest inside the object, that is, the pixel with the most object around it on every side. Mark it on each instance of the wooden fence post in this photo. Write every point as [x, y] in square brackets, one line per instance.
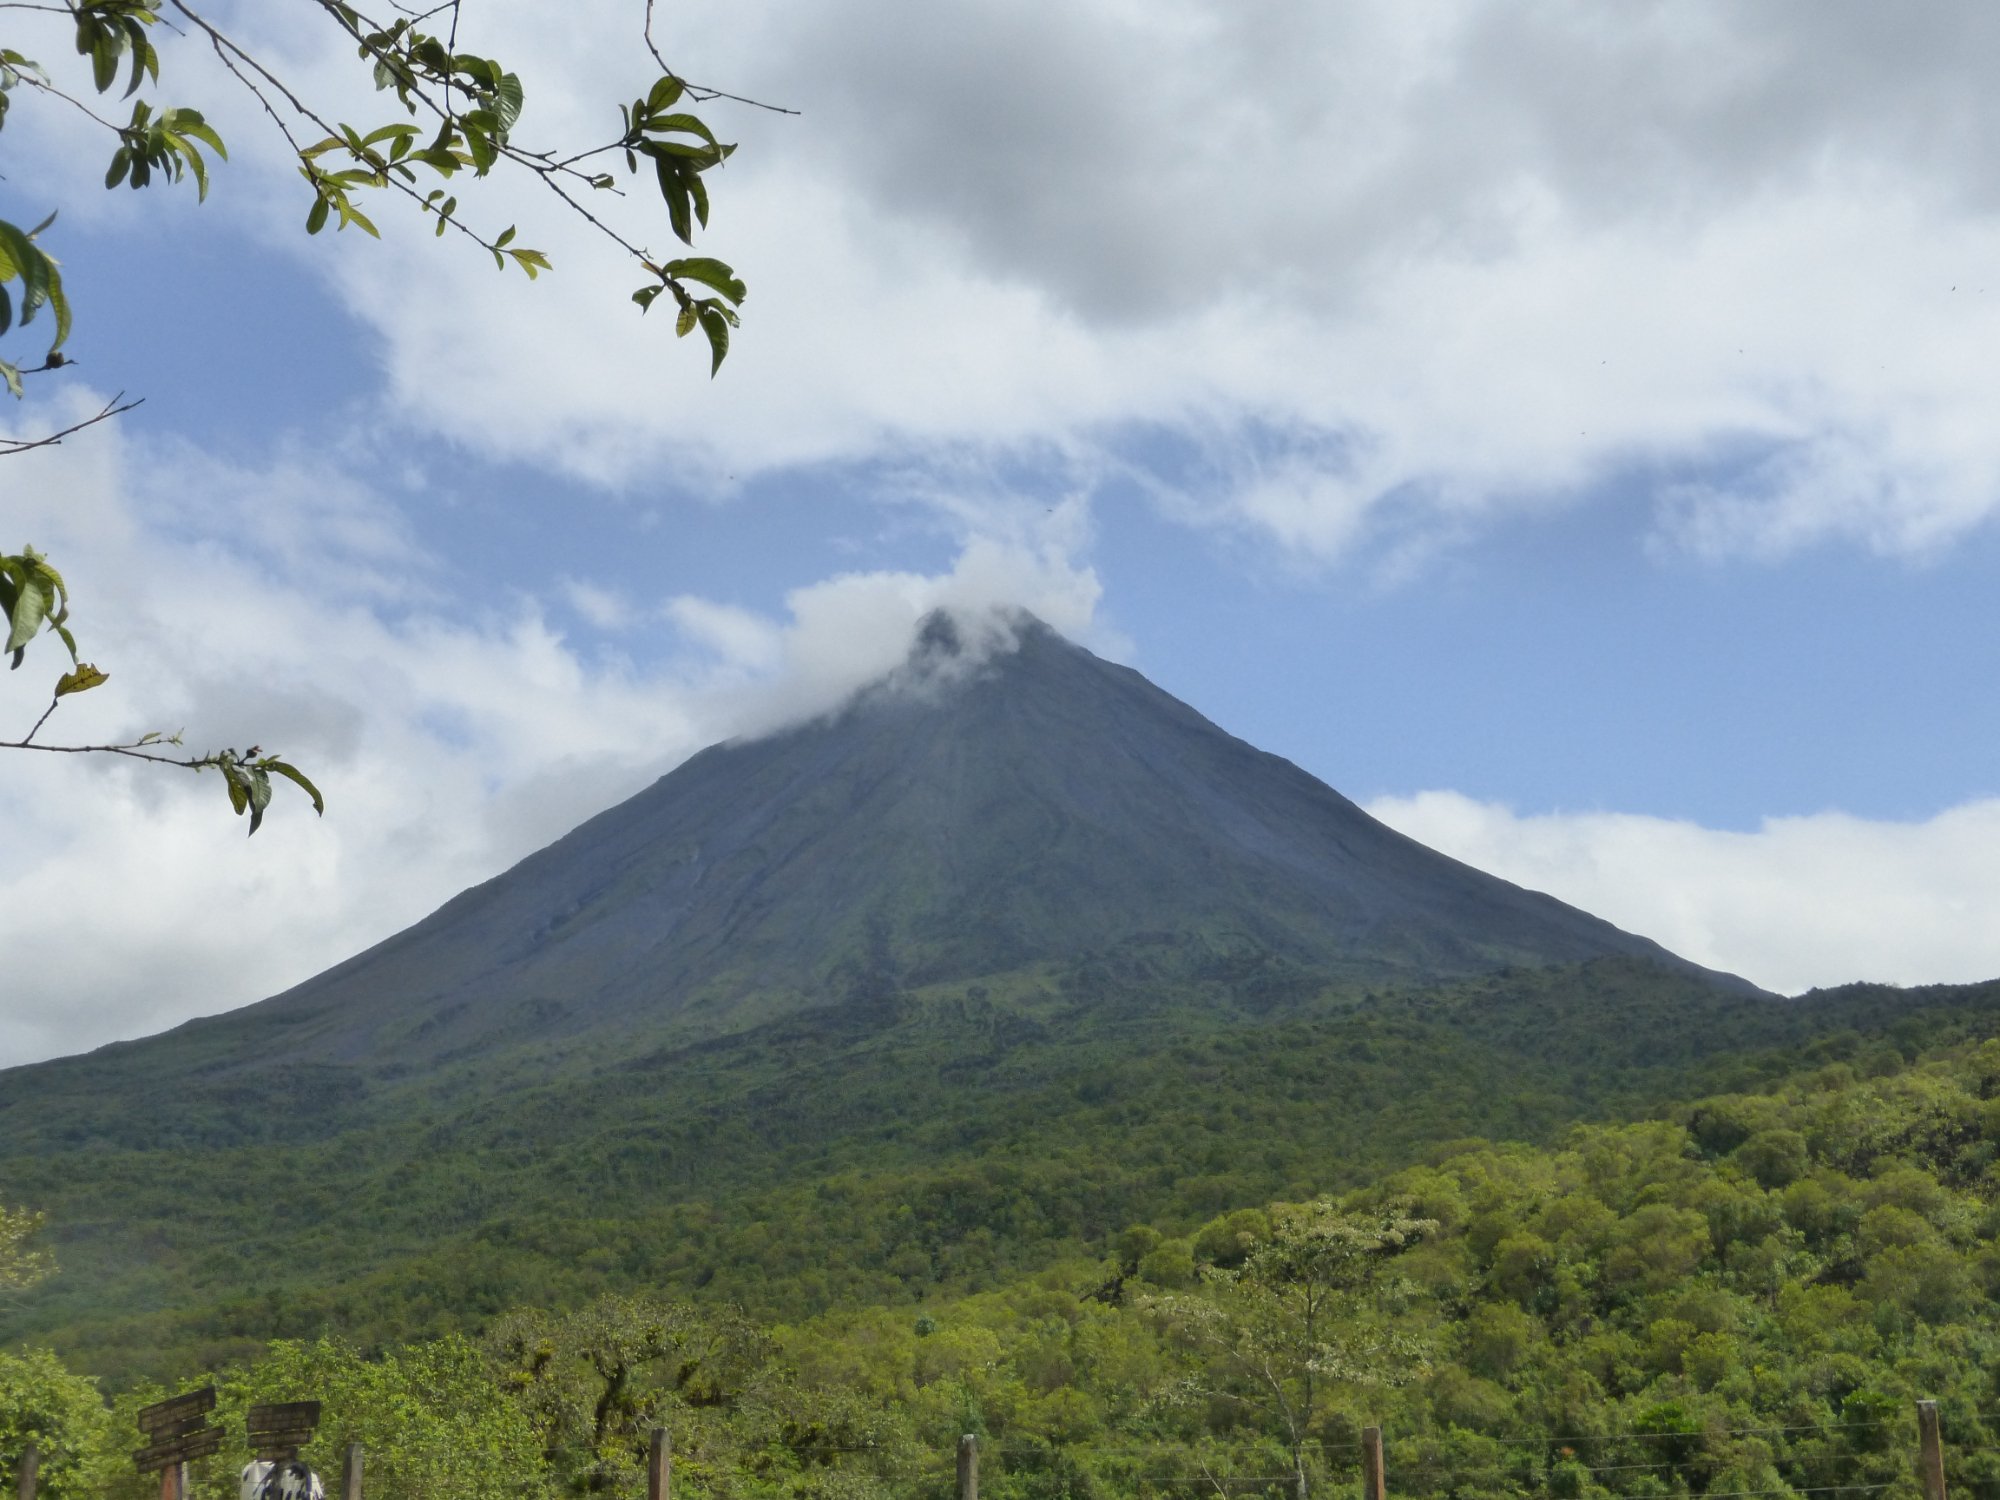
[968, 1467]
[660, 1466]
[350, 1474]
[1374, 1486]
[1930, 1452]
[30, 1472]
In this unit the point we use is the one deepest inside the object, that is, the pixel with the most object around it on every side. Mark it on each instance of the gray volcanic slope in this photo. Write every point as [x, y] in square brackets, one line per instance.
[961, 819]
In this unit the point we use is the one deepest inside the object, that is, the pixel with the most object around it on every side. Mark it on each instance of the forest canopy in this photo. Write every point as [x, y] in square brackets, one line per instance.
[1746, 1298]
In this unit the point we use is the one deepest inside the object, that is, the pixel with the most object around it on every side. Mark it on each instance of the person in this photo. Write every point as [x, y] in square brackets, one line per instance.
[286, 1479]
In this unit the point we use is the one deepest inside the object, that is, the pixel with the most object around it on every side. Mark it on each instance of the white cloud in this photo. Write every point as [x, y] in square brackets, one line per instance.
[1478, 257]
[738, 638]
[1801, 902]
[850, 630]
[603, 608]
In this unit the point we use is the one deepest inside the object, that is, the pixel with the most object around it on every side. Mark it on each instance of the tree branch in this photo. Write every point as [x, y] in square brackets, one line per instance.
[54, 704]
[702, 93]
[224, 48]
[49, 88]
[116, 406]
[133, 750]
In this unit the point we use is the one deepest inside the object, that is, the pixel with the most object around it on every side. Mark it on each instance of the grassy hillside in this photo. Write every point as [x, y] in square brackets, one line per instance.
[926, 1145]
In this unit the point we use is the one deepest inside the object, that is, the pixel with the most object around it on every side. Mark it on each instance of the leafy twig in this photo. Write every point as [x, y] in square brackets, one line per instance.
[246, 775]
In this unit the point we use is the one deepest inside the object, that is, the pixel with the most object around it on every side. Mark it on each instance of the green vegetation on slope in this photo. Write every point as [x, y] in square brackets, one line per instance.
[1743, 1297]
[936, 1147]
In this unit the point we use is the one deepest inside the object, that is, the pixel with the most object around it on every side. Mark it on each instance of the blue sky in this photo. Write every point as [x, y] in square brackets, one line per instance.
[1567, 432]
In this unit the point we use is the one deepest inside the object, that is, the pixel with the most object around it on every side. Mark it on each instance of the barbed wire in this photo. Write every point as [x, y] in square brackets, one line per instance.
[1142, 1451]
[1829, 1489]
[1533, 1439]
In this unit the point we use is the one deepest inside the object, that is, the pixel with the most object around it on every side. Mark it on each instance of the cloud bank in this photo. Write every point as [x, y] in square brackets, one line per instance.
[1388, 269]
[1799, 903]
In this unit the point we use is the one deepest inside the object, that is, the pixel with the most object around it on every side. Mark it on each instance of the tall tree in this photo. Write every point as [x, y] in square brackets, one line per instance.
[1298, 1317]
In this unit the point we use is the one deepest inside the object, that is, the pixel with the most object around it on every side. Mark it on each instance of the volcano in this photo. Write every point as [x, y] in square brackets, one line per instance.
[1004, 799]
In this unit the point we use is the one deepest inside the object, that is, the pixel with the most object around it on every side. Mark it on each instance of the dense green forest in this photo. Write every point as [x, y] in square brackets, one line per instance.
[945, 1143]
[1743, 1297]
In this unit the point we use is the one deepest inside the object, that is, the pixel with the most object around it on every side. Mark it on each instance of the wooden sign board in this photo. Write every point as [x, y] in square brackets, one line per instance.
[281, 1428]
[177, 1411]
[283, 1416]
[198, 1444]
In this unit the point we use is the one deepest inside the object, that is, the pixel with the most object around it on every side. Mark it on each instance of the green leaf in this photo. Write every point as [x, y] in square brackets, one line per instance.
[400, 133]
[480, 145]
[294, 774]
[195, 165]
[59, 305]
[687, 124]
[701, 156]
[190, 122]
[684, 324]
[673, 188]
[103, 52]
[41, 281]
[144, 60]
[645, 295]
[507, 98]
[665, 94]
[29, 610]
[716, 326]
[483, 72]
[260, 796]
[440, 160]
[710, 273]
[316, 216]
